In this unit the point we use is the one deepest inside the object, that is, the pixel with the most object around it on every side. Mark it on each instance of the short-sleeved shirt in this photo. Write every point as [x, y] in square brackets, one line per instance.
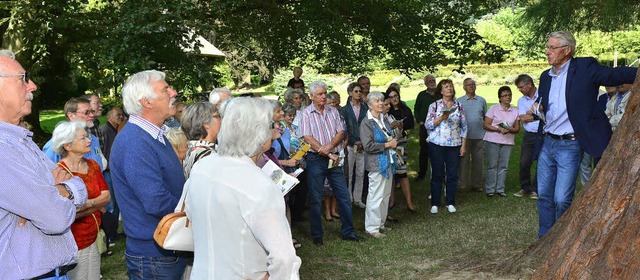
[293, 81]
[448, 133]
[524, 104]
[321, 126]
[498, 114]
[475, 108]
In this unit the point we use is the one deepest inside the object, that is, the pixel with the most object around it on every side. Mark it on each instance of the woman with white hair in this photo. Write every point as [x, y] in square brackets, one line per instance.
[72, 142]
[378, 143]
[240, 229]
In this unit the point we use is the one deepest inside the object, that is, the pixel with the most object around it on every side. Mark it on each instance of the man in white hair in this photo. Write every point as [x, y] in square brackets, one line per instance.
[147, 175]
[39, 200]
[323, 128]
[219, 95]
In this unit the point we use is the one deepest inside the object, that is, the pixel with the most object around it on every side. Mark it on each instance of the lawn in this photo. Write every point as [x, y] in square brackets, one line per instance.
[469, 244]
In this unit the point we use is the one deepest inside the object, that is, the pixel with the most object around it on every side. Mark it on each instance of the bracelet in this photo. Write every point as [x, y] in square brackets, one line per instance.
[93, 203]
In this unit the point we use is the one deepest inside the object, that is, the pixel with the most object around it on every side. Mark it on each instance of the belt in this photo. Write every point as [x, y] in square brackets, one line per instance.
[62, 270]
[571, 136]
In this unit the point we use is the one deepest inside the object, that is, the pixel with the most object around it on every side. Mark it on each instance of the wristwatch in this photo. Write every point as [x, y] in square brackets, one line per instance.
[68, 190]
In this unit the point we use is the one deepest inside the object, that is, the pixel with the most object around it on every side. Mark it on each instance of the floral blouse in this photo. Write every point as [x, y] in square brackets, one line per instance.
[448, 133]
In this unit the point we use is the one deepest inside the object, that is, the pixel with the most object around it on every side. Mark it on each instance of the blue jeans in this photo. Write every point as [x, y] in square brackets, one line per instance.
[169, 268]
[317, 171]
[558, 166]
[440, 157]
[112, 207]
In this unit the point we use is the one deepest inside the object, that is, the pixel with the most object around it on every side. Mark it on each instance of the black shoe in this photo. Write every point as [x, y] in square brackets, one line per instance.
[318, 241]
[392, 219]
[353, 238]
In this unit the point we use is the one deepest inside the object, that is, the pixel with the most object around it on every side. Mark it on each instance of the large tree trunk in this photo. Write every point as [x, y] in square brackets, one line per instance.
[599, 236]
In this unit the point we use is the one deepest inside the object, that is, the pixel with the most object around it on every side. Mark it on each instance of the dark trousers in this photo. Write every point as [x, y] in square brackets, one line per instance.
[423, 160]
[298, 198]
[527, 184]
[317, 173]
[442, 157]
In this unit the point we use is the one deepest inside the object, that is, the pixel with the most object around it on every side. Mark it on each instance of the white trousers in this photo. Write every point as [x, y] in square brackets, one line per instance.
[377, 202]
[356, 164]
[88, 264]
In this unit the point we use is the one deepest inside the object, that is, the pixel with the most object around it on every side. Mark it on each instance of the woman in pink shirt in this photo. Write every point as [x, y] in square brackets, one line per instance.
[501, 124]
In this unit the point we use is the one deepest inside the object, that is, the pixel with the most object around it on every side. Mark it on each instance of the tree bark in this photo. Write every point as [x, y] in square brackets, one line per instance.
[599, 236]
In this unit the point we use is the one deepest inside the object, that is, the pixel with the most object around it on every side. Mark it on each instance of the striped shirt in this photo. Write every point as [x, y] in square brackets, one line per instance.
[321, 126]
[28, 190]
[155, 132]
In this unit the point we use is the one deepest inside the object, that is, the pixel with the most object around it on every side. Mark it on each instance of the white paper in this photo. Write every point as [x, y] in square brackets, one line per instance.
[283, 181]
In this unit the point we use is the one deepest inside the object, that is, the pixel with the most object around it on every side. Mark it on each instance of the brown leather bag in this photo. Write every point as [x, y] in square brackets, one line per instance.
[174, 231]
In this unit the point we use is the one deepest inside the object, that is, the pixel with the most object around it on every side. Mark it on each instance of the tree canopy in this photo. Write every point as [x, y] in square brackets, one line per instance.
[581, 15]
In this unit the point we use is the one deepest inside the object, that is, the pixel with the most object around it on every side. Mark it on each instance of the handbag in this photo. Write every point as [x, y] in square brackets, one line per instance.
[101, 240]
[174, 231]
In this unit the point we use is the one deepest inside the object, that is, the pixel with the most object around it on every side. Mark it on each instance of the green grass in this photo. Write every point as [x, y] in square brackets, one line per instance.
[469, 244]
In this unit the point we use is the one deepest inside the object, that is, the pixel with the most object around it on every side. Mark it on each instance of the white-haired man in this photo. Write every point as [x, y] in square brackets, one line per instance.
[147, 175]
[323, 128]
[568, 97]
[219, 95]
[39, 200]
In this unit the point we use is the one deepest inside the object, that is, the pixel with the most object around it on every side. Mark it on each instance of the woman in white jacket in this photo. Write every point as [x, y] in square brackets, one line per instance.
[240, 229]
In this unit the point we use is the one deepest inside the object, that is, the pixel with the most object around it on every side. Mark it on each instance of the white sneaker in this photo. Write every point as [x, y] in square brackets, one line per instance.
[434, 209]
[377, 235]
[451, 209]
[360, 204]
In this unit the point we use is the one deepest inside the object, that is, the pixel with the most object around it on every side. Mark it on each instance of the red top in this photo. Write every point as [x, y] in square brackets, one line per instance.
[85, 229]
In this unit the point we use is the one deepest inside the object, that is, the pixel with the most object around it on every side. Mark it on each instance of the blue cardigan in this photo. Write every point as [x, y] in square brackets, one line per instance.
[147, 181]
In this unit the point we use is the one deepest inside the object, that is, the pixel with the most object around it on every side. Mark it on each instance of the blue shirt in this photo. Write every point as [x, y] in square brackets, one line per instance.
[620, 97]
[95, 153]
[524, 104]
[557, 117]
[286, 142]
[28, 190]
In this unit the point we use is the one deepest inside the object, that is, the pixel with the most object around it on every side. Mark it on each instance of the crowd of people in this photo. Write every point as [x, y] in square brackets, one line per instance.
[206, 158]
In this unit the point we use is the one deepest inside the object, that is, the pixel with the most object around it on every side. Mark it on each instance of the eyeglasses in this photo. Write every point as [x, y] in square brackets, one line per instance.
[86, 113]
[506, 95]
[25, 76]
[553, 48]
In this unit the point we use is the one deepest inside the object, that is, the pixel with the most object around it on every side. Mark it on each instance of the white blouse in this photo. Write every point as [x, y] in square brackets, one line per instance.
[240, 229]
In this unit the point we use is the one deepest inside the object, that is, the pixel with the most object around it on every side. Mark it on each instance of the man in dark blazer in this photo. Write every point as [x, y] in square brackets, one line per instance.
[573, 122]
[353, 113]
